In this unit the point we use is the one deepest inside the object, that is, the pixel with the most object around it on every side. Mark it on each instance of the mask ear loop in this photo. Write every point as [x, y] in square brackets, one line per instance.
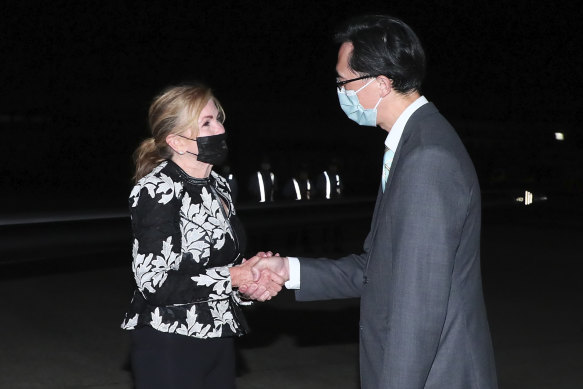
[378, 102]
[365, 85]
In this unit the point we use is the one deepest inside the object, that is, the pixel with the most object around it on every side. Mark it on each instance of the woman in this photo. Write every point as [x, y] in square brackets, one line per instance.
[186, 249]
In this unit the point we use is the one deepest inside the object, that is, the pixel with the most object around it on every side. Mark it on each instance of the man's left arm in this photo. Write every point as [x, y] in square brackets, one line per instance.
[431, 201]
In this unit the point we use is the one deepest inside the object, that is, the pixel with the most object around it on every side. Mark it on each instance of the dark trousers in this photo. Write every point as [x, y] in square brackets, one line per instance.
[161, 360]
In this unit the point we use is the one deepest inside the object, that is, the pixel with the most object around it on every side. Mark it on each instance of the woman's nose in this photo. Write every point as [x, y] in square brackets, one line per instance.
[219, 129]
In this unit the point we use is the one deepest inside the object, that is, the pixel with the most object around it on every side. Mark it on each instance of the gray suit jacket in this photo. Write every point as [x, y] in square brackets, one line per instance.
[422, 316]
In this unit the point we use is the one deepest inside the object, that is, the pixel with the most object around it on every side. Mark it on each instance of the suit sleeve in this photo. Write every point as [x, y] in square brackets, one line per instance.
[326, 279]
[432, 203]
[164, 274]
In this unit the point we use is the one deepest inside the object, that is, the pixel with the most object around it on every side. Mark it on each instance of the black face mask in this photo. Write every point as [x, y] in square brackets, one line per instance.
[212, 149]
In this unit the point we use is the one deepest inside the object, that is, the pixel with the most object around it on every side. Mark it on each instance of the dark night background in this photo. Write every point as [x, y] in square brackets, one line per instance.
[77, 79]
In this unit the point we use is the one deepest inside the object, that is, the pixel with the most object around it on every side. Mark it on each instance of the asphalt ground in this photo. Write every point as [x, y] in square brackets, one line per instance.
[59, 318]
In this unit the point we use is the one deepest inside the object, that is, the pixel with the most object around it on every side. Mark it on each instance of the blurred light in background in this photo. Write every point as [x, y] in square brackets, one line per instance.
[559, 136]
[526, 199]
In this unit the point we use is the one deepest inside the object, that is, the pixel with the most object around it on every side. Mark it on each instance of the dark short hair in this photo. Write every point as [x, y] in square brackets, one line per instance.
[384, 45]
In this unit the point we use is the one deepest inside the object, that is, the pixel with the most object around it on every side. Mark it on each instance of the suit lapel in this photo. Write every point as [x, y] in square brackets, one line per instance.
[375, 213]
[382, 197]
[407, 131]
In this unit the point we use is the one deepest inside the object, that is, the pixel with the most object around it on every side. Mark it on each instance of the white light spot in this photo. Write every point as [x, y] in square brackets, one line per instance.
[527, 198]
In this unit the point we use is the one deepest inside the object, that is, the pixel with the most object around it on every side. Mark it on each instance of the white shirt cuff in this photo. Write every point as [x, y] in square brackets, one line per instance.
[294, 273]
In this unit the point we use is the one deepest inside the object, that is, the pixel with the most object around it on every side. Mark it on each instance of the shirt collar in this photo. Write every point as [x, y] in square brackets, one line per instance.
[394, 136]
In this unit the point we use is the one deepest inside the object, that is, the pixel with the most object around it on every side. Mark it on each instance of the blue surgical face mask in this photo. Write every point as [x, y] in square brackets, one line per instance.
[354, 110]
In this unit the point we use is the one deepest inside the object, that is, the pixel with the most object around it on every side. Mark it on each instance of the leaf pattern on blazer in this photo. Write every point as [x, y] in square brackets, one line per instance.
[183, 246]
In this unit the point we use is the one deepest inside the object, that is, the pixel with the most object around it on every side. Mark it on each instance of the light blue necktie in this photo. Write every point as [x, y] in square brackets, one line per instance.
[387, 161]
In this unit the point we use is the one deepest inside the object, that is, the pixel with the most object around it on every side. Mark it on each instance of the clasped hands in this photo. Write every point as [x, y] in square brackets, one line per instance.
[261, 277]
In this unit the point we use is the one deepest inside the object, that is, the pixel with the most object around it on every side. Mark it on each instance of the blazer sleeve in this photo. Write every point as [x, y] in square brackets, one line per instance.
[164, 274]
[432, 201]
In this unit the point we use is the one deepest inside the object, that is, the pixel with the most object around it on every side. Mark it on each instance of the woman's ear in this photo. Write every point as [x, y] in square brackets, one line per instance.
[175, 143]
[386, 85]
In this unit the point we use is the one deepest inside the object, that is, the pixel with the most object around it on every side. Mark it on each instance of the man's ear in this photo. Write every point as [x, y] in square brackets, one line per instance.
[386, 85]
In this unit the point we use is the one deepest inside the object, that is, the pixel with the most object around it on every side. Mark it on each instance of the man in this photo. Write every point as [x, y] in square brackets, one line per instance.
[263, 184]
[328, 183]
[423, 320]
[299, 187]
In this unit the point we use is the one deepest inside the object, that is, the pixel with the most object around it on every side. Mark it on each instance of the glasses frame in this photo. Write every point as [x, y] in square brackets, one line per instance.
[340, 84]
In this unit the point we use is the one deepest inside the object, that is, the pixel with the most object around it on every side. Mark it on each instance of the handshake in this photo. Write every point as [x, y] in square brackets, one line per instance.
[260, 277]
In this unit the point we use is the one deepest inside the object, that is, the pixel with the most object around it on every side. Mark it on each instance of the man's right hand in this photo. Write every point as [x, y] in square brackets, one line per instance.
[278, 265]
[268, 264]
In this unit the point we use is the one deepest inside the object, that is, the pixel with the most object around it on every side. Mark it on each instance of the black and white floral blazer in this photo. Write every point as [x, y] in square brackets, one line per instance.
[184, 243]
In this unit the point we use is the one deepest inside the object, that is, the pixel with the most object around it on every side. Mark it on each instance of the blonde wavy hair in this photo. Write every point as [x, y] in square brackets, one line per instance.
[173, 111]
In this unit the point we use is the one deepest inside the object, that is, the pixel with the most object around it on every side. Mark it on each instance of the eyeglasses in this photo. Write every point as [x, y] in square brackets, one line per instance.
[340, 84]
